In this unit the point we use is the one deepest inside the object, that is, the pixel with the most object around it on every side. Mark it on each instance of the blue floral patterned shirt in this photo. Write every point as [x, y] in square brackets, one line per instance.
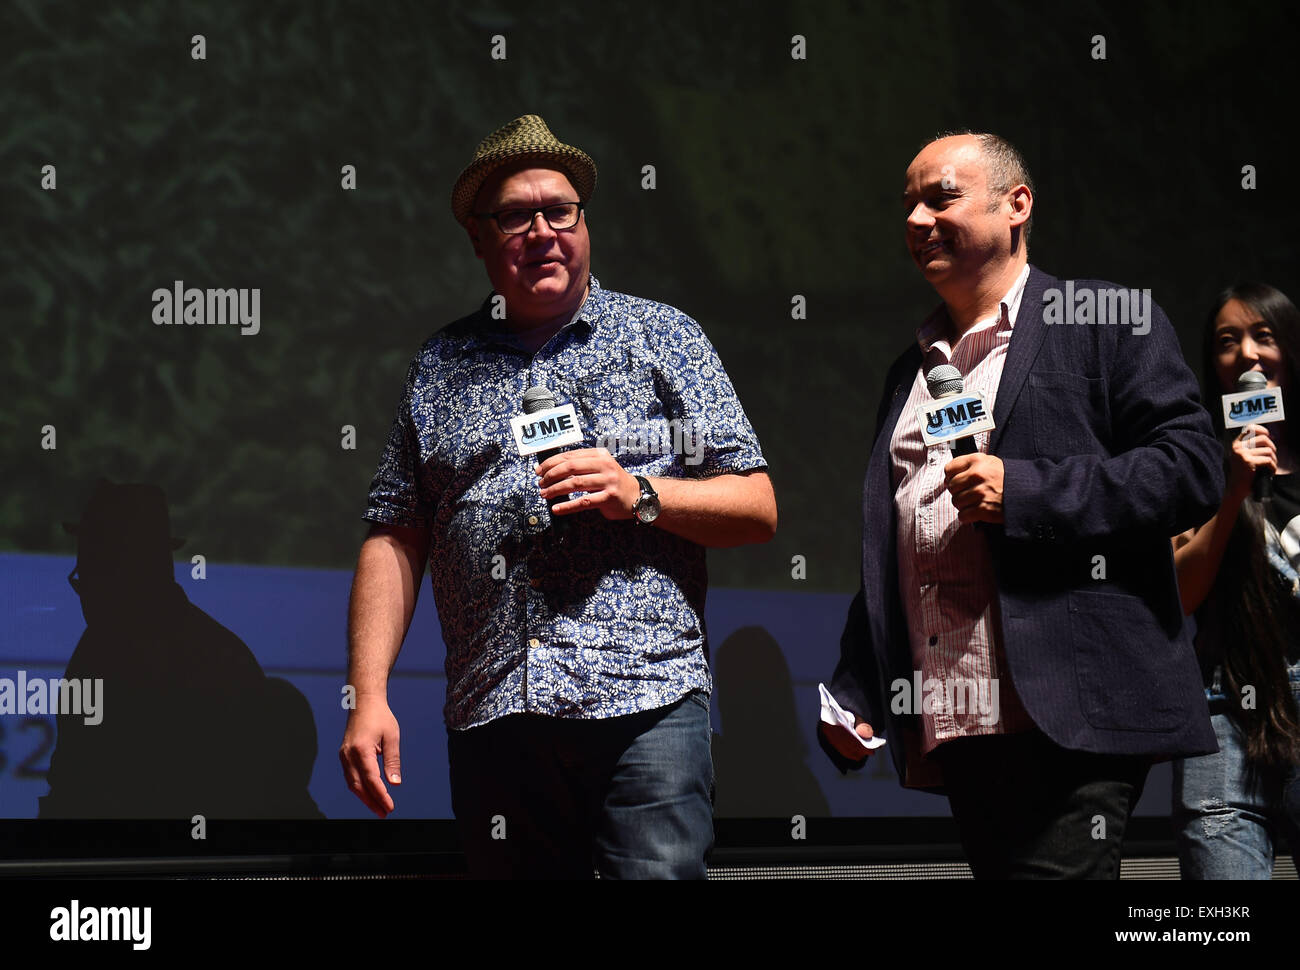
[584, 617]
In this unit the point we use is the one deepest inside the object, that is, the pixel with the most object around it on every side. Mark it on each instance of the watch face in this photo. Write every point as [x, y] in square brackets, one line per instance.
[646, 508]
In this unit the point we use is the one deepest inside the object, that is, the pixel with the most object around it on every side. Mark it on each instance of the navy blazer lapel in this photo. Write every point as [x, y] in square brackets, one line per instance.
[905, 374]
[879, 561]
[1026, 341]
[880, 465]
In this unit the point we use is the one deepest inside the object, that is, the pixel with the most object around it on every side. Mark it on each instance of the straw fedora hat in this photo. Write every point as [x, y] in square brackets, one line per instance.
[524, 139]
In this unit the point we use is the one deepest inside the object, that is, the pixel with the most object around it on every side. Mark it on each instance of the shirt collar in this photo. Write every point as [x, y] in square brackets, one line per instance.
[937, 325]
[593, 307]
[485, 330]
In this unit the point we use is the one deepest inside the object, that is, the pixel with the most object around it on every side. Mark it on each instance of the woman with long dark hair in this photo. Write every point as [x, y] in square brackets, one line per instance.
[1238, 574]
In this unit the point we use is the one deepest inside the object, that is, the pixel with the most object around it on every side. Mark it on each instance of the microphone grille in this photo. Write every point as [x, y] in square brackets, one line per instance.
[1252, 380]
[538, 398]
[944, 379]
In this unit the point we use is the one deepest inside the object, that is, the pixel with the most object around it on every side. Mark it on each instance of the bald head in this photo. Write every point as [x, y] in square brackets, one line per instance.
[965, 231]
[1004, 167]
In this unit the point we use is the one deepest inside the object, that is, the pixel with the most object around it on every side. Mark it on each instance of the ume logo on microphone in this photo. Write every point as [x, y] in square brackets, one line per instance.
[546, 429]
[1253, 407]
[954, 417]
[548, 426]
[947, 420]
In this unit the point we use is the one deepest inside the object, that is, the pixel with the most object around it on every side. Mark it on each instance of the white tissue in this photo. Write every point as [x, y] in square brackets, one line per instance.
[832, 713]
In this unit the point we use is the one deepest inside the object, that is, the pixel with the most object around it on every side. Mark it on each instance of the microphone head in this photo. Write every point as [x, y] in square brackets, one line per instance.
[1252, 380]
[538, 398]
[944, 379]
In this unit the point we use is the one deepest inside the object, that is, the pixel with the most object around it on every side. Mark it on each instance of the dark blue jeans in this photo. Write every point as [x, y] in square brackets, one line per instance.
[540, 797]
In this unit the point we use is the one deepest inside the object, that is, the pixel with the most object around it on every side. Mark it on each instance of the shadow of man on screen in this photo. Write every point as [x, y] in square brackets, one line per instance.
[186, 723]
[759, 756]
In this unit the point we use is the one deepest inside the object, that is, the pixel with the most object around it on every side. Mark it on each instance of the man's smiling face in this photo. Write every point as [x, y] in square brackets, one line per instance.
[542, 273]
[954, 226]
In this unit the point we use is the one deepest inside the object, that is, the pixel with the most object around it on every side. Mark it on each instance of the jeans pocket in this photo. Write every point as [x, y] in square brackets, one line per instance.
[700, 698]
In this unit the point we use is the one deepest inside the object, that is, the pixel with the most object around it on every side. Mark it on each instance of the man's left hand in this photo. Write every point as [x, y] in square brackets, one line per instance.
[975, 482]
[609, 489]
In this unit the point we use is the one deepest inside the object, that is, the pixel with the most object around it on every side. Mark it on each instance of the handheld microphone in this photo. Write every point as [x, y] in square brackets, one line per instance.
[538, 399]
[1262, 486]
[945, 381]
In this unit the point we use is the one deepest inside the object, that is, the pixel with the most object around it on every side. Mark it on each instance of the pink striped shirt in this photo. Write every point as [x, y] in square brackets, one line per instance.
[945, 572]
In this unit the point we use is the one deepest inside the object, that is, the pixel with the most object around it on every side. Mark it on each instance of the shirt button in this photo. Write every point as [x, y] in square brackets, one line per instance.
[933, 641]
[534, 642]
[532, 520]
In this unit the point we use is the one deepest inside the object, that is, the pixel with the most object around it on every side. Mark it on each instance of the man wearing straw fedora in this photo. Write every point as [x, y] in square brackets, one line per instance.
[570, 582]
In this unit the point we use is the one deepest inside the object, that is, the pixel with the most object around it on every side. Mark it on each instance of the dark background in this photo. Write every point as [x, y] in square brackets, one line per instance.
[775, 177]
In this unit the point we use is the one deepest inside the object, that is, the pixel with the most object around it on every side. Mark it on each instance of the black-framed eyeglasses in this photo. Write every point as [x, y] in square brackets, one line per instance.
[562, 215]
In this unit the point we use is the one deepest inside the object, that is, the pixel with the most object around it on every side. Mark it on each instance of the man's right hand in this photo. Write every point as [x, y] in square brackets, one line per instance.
[838, 737]
[371, 734]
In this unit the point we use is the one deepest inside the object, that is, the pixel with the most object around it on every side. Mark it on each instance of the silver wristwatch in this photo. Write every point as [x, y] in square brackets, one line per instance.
[646, 507]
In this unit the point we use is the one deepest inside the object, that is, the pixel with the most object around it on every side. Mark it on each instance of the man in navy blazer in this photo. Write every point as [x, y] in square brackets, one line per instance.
[1041, 564]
